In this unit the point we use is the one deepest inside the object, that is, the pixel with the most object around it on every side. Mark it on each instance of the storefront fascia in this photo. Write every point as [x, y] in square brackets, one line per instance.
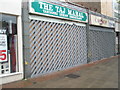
[58, 16]
[105, 27]
[11, 10]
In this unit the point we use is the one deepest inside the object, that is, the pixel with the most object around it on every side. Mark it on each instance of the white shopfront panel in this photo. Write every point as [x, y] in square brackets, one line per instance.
[9, 9]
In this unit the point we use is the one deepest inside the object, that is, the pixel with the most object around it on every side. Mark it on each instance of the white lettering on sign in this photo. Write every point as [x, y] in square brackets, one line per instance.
[46, 6]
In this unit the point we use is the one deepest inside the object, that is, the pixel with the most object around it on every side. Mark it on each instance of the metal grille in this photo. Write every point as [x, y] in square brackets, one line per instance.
[56, 46]
[101, 43]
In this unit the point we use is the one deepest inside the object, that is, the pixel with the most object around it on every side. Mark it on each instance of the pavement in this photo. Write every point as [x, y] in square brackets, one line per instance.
[100, 74]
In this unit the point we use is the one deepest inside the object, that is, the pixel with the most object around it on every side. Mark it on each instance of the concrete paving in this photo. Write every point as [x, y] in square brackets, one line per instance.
[101, 75]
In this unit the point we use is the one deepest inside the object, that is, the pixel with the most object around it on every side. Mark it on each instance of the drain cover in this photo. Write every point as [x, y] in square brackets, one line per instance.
[72, 76]
[97, 67]
[34, 82]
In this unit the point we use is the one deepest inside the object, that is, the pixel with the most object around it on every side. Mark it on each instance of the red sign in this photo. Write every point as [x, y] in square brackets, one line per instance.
[2, 55]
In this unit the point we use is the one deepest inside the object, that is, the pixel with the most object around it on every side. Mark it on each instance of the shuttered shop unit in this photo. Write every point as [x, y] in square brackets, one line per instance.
[56, 38]
[101, 37]
[56, 46]
[101, 43]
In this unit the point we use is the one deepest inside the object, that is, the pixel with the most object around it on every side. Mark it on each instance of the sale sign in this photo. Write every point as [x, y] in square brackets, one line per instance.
[3, 48]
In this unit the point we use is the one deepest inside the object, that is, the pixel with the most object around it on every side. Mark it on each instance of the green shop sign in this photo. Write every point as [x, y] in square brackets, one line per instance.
[44, 8]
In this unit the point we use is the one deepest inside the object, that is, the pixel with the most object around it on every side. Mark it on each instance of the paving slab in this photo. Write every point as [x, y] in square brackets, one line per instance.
[102, 75]
[97, 75]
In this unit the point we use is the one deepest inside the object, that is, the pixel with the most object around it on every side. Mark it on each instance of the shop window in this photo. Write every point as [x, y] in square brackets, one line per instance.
[8, 44]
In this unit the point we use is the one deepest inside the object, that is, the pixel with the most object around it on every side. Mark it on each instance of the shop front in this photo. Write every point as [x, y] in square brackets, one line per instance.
[11, 64]
[101, 42]
[57, 37]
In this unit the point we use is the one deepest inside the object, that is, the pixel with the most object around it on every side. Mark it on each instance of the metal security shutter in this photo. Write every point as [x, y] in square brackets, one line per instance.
[56, 46]
[101, 43]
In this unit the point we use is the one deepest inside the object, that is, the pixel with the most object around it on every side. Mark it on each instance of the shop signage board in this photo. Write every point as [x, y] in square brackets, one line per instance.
[100, 21]
[111, 23]
[44, 8]
[3, 48]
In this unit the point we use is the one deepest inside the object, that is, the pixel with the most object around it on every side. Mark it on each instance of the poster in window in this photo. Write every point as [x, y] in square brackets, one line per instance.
[3, 48]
